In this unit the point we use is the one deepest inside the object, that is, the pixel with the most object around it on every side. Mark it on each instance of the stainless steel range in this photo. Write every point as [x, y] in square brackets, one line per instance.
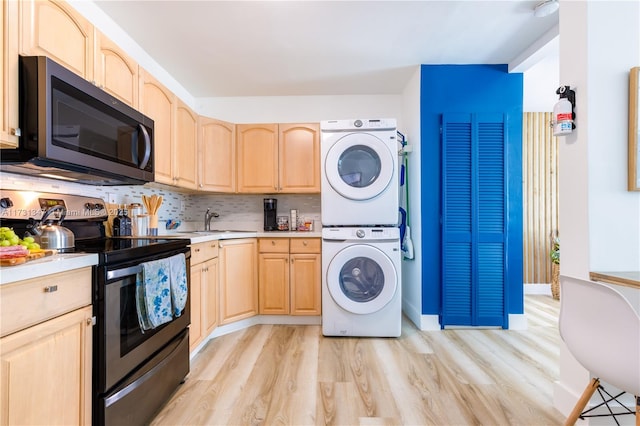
[134, 371]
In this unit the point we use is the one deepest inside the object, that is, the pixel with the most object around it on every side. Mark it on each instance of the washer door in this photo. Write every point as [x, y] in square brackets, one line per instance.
[361, 279]
[359, 166]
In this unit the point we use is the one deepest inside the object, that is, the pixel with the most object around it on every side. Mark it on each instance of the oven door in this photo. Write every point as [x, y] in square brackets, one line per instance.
[122, 347]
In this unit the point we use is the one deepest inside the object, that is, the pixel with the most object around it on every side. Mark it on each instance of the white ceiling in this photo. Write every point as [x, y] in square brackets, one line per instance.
[288, 48]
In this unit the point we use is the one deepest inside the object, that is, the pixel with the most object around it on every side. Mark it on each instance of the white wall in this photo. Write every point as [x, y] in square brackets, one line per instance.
[300, 109]
[599, 218]
[411, 269]
[540, 84]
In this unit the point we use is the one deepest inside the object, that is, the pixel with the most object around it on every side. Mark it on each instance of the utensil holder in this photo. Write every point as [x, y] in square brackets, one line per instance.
[153, 224]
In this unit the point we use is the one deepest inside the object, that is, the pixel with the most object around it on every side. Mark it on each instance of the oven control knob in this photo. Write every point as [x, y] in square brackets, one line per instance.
[360, 233]
[6, 202]
[98, 206]
[88, 206]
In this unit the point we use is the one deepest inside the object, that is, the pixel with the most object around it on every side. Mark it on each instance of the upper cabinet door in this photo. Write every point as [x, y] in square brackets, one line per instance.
[185, 170]
[115, 71]
[299, 158]
[9, 130]
[216, 155]
[56, 30]
[158, 103]
[257, 158]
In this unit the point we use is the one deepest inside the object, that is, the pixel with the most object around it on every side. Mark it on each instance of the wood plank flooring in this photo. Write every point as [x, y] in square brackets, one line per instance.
[292, 375]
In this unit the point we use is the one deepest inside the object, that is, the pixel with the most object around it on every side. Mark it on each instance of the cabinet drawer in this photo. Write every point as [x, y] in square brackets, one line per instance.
[30, 302]
[201, 252]
[305, 245]
[273, 245]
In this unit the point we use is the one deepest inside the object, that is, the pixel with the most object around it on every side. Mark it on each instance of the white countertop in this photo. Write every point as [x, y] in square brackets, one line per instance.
[202, 237]
[46, 266]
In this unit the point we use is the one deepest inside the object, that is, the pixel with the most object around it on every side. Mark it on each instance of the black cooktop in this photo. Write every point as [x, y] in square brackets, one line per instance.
[115, 250]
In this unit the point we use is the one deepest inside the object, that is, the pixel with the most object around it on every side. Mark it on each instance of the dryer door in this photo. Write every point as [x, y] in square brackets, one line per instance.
[359, 166]
[361, 279]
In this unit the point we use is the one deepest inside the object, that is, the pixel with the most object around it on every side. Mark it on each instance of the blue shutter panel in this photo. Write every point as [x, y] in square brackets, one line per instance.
[456, 223]
[473, 220]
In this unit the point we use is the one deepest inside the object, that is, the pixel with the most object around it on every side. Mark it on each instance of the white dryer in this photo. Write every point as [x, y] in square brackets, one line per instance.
[359, 172]
[361, 285]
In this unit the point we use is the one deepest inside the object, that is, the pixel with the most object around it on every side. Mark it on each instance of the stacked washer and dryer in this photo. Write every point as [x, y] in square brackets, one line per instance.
[361, 257]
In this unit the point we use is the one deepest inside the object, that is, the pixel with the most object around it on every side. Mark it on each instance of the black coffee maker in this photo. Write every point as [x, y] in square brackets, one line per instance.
[270, 222]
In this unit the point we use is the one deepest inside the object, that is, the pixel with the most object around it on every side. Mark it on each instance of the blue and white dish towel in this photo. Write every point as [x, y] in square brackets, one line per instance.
[179, 289]
[161, 291]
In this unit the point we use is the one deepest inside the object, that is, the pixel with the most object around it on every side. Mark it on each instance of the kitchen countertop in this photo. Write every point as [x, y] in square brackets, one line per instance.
[202, 236]
[46, 266]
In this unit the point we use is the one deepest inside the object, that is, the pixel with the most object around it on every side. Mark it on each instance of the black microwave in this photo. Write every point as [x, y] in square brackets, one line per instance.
[73, 130]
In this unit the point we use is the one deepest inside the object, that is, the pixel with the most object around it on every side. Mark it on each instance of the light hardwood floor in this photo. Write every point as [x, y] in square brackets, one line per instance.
[292, 375]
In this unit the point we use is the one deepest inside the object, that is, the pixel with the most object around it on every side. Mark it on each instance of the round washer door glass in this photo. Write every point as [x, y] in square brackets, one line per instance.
[359, 166]
[361, 279]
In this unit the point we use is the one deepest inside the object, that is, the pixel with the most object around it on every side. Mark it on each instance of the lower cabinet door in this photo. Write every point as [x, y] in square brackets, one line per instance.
[273, 283]
[238, 279]
[210, 295]
[305, 279]
[196, 333]
[45, 372]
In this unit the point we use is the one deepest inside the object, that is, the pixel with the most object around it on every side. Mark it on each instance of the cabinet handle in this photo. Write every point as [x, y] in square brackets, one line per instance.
[91, 321]
[197, 250]
[50, 288]
[16, 132]
[273, 243]
[304, 243]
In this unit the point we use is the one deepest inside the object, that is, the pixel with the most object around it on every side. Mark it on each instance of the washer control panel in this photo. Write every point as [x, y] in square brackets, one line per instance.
[361, 233]
[358, 124]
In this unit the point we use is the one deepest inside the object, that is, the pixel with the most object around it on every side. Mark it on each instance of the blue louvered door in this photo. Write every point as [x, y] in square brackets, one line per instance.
[473, 220]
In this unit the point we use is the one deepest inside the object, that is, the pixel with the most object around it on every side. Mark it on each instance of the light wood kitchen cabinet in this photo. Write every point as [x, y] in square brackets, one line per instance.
[306, 276]
[46, 350]
[216, 155]
[238, 279]
[184, 147]
[204, 291]
[54, 29]
[273, 276]
[158, 103]
[9, 125]
[257, 146]
[290, 276]
[115, 72]
[299, 158]
[278, 158]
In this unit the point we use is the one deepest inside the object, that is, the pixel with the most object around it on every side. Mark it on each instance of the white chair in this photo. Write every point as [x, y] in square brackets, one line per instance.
[602, 331]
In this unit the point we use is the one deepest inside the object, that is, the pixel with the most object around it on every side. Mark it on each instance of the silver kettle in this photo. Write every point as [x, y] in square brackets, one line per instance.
[52, 235]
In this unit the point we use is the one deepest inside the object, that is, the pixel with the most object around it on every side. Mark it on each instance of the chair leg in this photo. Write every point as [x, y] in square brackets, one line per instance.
[582, 402]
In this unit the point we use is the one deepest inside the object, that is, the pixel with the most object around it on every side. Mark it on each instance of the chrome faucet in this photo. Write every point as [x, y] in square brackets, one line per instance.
[207, 219]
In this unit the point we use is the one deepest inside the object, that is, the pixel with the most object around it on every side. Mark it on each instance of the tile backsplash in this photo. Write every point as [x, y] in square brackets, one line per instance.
[240, 211]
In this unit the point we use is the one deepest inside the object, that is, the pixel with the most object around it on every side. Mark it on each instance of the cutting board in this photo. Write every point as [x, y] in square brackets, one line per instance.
[31, 256]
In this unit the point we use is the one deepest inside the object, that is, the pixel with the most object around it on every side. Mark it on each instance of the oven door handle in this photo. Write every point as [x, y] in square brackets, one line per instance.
[124, 272]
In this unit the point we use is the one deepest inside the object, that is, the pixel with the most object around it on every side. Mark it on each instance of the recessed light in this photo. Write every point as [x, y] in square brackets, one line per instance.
[546, 8]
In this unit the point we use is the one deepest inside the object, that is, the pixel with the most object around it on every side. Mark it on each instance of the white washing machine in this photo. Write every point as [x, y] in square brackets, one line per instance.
[359, 172]
[361, 285]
